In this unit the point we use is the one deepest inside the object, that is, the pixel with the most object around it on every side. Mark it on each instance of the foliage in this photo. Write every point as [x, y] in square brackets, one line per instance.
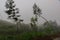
[36, 12]
[11, 10]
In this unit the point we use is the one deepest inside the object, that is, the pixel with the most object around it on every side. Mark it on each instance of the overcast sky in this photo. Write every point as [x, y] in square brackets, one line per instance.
[50, 9]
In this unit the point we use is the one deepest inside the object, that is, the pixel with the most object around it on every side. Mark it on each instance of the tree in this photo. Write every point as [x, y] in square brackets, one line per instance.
[37, 13]
[12, 12]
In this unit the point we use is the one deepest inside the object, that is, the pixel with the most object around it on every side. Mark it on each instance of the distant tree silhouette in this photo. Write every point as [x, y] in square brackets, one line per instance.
[13, 13]
[37, 13]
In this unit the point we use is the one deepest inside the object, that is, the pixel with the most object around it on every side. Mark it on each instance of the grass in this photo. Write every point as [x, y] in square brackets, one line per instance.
[22, 36]
[12, 35]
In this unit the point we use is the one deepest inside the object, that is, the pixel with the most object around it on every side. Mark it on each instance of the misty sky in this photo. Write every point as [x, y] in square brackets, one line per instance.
[50, 9]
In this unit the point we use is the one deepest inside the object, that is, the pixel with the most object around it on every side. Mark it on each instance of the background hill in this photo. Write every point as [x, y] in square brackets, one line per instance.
[6, 26]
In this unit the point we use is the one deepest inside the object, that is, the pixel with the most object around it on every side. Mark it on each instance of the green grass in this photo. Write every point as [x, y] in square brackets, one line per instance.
[25, 35]
[22, 36]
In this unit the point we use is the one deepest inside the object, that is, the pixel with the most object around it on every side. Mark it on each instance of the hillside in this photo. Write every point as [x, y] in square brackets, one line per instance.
[5, 23]
[6, 26]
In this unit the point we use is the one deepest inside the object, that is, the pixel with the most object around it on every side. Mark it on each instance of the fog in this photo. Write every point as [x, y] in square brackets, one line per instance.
[50, 9]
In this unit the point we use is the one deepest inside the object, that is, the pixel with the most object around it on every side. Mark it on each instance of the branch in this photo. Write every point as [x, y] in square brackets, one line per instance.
[44, 19]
